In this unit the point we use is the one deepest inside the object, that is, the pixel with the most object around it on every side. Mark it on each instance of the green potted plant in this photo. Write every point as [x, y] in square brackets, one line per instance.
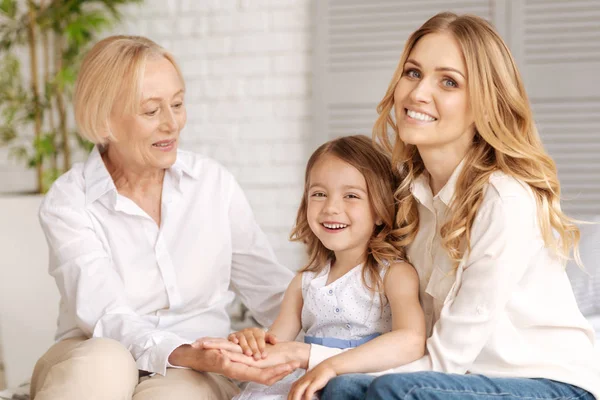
[41, 43]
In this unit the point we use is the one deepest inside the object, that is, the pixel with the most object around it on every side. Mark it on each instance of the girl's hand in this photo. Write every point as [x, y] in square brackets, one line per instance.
[253, 341]
[314, 380]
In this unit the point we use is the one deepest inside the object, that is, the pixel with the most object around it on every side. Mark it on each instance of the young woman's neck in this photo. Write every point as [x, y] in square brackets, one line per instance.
[440, 165]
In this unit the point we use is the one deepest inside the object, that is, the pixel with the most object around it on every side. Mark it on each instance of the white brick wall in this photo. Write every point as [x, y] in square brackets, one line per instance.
[247, 70]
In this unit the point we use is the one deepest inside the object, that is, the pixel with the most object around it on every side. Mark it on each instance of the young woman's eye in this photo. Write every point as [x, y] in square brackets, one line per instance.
[451, 83]
[412, 73]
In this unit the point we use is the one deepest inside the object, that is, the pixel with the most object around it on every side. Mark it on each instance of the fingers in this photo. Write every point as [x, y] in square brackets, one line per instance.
[243, 359]
[298, 389]
[233, 338]
[270, 338]
[244, 345]
[221, 344]
[255, 345]
[278, 372]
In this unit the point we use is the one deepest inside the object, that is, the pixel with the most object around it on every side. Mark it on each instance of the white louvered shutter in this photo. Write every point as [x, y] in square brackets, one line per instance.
[557, 46]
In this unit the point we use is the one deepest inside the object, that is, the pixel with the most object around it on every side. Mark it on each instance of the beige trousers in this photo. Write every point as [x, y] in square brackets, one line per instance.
[103, 369]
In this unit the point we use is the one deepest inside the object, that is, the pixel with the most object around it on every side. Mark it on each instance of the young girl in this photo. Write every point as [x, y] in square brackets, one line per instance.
[356, 291]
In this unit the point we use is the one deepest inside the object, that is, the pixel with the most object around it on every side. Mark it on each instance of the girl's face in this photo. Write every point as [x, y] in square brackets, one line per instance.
[339, 209]
[431, 99]
[149, 138]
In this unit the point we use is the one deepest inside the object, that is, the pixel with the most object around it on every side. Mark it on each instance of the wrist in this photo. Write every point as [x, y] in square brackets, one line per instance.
[183, 356]
[302, 354]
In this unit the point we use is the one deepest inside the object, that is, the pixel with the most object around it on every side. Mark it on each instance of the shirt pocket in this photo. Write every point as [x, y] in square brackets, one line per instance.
[443, 286]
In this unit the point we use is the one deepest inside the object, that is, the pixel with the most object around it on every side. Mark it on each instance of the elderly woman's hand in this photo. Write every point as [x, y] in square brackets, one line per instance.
[222, 362]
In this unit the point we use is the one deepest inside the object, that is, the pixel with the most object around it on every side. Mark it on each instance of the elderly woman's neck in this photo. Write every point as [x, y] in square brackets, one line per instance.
[132, 178]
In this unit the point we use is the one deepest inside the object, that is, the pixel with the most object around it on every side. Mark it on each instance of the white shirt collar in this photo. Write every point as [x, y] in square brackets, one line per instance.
[98, 181]
[421, 189]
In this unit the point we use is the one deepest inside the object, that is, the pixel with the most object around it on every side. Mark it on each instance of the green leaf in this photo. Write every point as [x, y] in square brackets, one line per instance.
[48, 177]
[9, 8]
[7, 134]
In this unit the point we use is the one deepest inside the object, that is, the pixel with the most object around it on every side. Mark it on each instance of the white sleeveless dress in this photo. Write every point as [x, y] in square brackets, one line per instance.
[344, 310]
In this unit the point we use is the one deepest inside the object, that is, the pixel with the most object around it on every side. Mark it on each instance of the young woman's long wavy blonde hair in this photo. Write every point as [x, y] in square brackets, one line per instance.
[387, 243]
[506, 139]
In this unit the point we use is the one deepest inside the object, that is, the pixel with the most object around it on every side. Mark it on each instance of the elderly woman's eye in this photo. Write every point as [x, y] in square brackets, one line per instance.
[151, 113]
[177, 105]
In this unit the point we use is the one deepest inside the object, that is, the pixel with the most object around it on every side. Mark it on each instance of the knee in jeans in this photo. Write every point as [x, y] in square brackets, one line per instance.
[336, 384]
[353, 386]
[402, 384]
[384, 386]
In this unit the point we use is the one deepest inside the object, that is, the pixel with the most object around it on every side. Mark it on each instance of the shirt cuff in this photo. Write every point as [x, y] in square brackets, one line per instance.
[158, 360]
[320, 353]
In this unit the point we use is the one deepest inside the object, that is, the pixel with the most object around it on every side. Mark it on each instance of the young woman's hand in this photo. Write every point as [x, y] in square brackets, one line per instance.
[253, 341]
[314, 380]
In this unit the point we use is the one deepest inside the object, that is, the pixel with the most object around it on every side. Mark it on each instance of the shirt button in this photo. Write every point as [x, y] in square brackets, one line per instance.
[348, 326]
[337, 310]
[330, 292]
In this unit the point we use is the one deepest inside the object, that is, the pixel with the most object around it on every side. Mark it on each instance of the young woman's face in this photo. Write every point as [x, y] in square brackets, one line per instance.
[431, 99]
[339, 208]
[149, 137]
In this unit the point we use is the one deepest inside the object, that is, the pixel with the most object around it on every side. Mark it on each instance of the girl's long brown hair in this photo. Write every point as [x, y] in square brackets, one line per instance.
[388, 242]
[506, 139]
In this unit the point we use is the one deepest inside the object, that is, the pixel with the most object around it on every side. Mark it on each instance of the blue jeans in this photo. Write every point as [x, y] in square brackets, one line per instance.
[440, 386]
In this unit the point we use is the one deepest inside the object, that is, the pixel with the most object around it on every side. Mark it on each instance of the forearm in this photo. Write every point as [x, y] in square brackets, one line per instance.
[384, 352]
[285, 329]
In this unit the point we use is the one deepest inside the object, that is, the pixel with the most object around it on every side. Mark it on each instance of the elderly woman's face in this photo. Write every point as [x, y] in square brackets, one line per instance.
[149, 137]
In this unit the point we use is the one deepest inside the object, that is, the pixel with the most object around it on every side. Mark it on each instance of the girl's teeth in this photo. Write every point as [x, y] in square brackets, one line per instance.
[419, 116]
[335, 226]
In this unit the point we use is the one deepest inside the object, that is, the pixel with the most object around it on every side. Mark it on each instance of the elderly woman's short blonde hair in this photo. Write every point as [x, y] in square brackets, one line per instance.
[113, 68]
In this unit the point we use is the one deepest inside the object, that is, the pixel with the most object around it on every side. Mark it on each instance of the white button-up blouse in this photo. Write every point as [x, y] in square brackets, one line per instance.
[508, 310]
[154, 288]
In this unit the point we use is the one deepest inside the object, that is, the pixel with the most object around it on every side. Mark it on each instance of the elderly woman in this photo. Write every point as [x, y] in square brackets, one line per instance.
[147, 243]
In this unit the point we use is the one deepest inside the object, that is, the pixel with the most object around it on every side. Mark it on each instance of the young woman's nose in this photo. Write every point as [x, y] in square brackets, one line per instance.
[422, 91]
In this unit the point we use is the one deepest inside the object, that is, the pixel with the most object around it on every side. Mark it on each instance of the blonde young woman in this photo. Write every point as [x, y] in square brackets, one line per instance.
[145, 242]
[489, 239]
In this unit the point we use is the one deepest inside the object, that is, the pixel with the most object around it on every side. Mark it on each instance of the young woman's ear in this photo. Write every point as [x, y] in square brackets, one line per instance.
[379, 222]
